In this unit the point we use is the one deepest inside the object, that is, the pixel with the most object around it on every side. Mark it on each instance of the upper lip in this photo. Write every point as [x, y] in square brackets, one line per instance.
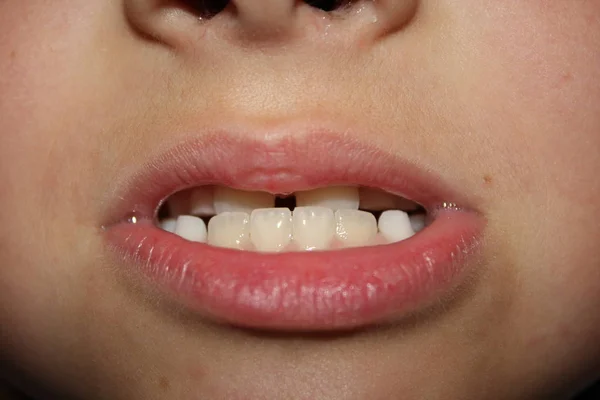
[279, 165]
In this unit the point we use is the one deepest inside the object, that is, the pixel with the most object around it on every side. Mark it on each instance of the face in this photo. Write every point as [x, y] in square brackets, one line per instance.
[485, 116]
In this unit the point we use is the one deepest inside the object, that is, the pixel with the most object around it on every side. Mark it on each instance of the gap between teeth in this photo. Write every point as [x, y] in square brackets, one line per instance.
[323, 219]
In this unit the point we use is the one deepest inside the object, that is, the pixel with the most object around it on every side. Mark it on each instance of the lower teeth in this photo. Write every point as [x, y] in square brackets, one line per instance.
[304, 229]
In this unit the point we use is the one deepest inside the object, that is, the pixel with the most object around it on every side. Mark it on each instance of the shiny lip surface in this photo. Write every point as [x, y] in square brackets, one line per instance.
[308, 291]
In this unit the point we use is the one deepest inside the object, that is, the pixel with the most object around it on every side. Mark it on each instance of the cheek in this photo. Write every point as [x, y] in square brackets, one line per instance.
[538, 85]
[54, 108]
[46, 146]
[541, 100]
[41, 86]
[523, 92]
[531, 100]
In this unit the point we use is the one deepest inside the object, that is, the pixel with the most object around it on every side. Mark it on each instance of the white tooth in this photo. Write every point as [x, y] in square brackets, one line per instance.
[227, 199]
[271, 229]
[313, 227]
[168, 224]
[378, 200]
[355, 228]
[179, 203]
[201, 201]
[395, 226]
[417, 222]
[334, 197]
[191, 228]
[230, 229]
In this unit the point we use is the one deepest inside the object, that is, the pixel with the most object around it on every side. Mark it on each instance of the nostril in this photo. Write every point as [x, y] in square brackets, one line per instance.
[329, 5]
[205, 8]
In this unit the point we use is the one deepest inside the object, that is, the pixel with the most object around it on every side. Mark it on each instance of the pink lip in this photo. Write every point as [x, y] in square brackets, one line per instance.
[339, 289]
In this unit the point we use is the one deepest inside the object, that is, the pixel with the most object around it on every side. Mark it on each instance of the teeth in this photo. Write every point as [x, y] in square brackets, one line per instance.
[355, 228]
[191, 228]
[201, 202]
[323, 218]
[230, 229]
[227, 199]
[271, 229]
[168, 224]
[335, 198]
[378, 200]
[395, 225]
[313, 227]
[417, 221]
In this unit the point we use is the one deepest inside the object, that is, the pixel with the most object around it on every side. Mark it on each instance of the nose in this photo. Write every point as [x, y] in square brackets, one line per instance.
[254, 21]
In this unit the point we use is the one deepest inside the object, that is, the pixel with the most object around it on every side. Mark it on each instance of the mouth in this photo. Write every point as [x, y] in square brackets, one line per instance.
[316, 233]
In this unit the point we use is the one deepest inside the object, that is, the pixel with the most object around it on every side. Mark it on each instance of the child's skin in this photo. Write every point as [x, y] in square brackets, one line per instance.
[501, 99]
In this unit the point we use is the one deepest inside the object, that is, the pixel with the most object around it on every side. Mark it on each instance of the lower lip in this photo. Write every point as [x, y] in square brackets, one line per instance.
[310, 291]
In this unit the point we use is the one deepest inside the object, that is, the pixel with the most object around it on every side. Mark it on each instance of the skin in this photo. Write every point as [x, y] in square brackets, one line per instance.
[501, 100]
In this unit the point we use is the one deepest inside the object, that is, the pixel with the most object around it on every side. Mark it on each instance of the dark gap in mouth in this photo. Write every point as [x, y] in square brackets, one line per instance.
[205, 219]
[163, 212]
[377, 214]
[418, 209]
[286, 202]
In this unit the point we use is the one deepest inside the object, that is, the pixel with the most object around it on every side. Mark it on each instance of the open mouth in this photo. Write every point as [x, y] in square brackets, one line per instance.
[276, 235]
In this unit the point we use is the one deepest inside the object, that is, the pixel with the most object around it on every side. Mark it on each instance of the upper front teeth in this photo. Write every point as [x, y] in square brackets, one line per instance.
[207, 201]
[336, 198]
[227, 199]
